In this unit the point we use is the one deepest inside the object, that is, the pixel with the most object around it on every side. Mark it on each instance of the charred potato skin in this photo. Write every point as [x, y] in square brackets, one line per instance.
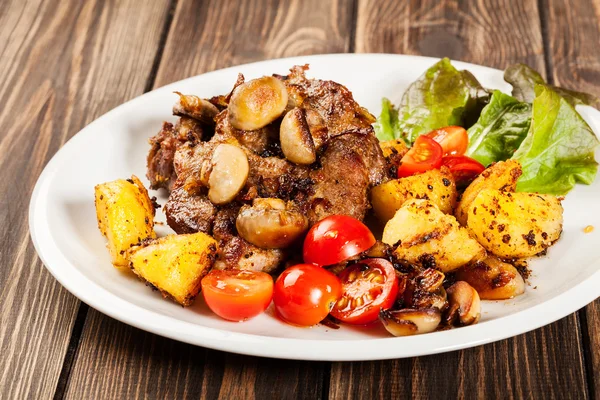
[515, 225]
[502, 175]
[174, 264]
[393, 147]
[125, 216]
[421, 234]
[436, 185]
[393, 151]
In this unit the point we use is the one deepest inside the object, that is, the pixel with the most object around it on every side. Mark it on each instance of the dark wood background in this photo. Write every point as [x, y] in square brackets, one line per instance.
[65, 63]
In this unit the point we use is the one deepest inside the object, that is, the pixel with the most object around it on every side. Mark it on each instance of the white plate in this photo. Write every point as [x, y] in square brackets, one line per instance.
[64, 232]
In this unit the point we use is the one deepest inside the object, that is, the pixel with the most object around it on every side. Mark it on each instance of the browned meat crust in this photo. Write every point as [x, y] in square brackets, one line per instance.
[327, 102]
[189, 213]
[351, 164]
[235, 252]
[161, 172]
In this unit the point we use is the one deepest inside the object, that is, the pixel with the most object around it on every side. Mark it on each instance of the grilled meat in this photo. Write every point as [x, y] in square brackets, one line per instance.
[235, 252]
[327, 104]
[352, 163]
[163, 145]
[189, 213]
[349, 163]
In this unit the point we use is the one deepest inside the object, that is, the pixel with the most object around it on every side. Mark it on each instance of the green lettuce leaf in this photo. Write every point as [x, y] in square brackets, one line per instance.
[558, 151]
[500, 129]
[442, 96]
[523, 80]
[386, 127]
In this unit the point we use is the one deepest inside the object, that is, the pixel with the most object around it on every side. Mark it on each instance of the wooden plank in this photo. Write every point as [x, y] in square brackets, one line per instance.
[118, 361]
[491, 33]
[573, 36]
[591, 334]
[216, 34]
[62, 65]
[548, 361]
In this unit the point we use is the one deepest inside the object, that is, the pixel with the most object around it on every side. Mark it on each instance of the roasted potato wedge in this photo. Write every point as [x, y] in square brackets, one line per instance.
[393, 151]
[423, 235]
[493, 279]
[125, 216]
[502, 176]
[174, 264]
[393, 147]
[435, 185]
[515, 225]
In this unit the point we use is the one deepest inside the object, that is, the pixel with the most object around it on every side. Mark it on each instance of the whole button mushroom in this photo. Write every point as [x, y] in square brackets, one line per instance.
[228, 174]
[270, 223]
[195, 107]
[407, 322]
[464, 304]
[257, 103]
[296, 141]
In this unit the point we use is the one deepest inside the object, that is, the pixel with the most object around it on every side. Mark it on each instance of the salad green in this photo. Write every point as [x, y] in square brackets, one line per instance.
[500, 129]
[386, 126]
[523, 80]
[538, 125]
[559, 148]
[442, 96]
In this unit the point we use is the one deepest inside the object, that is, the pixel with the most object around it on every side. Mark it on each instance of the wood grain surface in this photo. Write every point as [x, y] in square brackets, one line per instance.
[573, 39]
[118, 361]
[61, 65]
[491, 33]
[64, 63]
[208, 35]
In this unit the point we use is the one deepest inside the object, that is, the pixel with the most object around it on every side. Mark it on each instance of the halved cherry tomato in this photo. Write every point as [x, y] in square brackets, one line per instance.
[305, 293]
[367, 288]
[425, 154]
[237, 295]
[453, 139]
[335, 239]
[463, 168]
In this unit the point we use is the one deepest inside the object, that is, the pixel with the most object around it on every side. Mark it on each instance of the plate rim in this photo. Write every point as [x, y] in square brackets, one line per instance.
[116, 307]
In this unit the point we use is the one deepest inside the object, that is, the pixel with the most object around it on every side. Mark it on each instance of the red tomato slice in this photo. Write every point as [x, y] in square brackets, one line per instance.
[335, 239]
[305, 293]
[463, 168]
[367, 288]
[237, 295]
[425, 154]
[453, 139]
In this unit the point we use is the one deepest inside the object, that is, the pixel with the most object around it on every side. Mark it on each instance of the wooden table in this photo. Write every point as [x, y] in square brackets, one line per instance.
[65, 63]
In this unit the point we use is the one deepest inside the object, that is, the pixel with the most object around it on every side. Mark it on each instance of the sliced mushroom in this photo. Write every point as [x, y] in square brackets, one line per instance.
[430, 279]
[422, 299]
[195, 107]
[296, 142]
[408, 322]
[378, 250]
[271, 223]
[415, 297]
[464, 304]
[493, 279]
[228, 173]
[317, 126]
[426, 291]
[257, 103]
